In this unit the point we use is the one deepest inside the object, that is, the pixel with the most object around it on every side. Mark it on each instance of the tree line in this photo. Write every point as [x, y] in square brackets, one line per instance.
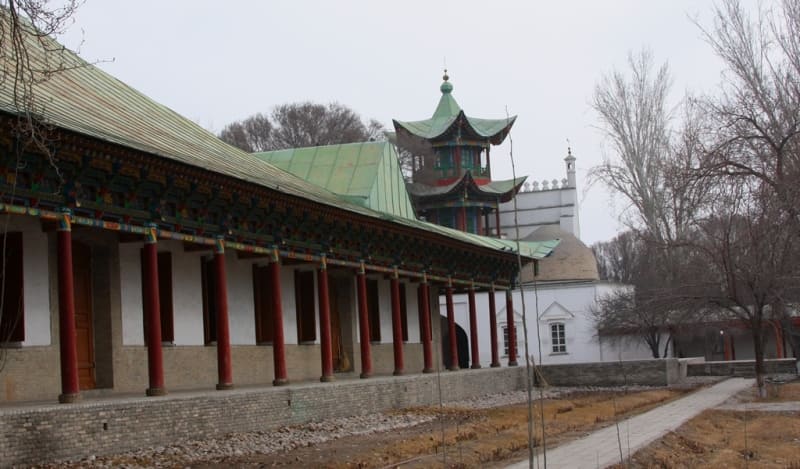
[296, 125]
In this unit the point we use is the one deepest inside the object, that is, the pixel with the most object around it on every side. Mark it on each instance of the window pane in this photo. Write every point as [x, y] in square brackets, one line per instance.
[165, 295]
[304, 301]
[403, 312]
[208, 290]
[264, 310]
[559, 338]
[374, 310]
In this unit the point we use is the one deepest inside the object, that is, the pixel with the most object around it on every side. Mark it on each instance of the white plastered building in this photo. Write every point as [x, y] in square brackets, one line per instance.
[559, 299]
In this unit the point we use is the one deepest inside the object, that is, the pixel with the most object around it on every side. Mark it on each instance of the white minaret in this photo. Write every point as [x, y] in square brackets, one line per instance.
[570, 160]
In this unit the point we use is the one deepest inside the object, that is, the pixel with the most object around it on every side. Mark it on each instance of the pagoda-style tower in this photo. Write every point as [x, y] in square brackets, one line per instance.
[451, 182]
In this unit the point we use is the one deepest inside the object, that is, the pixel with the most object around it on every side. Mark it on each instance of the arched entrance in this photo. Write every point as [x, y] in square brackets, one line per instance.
[462, 342]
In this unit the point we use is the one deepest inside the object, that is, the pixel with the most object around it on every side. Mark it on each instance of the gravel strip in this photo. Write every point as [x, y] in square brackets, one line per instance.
[296, 436]
[246, 443]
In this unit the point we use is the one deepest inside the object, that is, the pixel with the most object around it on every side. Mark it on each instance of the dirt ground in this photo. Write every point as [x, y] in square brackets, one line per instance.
[473, 438]
[732, 438]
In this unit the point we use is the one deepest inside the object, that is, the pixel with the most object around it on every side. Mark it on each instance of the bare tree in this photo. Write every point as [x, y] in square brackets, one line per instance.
[619, 317]
[635, 120]
[413, 152]
[724, 190]
[758, 107]
[299, 125]
[651, 157]
[653, 309]
[754, 162]
[251, 135]
[620, 259]
[28, 57]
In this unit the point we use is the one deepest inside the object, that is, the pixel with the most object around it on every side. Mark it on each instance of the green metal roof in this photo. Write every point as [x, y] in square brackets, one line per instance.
[84, 99]
[365, 172]
[447, 113]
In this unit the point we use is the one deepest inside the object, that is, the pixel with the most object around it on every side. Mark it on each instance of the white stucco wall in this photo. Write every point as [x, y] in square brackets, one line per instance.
[566, 303]
[188, 302]
[536, 208]
[35, 279]
[241, 303]
[385, 309]
[412, 311]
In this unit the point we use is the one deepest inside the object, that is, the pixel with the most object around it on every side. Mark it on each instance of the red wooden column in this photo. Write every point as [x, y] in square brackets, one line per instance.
[497, 217]
[324, 322]
[726, 346]
[152, 309]
[70, 387]
[224, 366]
[363, 323]
[493, 329]
[278, 343]
[451, 330]
[425, 325]
[397, 324]
[778, 339]
[512, 330]
[473, 329]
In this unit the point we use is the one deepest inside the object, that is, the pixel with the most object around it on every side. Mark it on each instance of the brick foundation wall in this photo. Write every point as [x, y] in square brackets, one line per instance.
[32, 373]
[32, 434]
[634, 372]
[745, 368]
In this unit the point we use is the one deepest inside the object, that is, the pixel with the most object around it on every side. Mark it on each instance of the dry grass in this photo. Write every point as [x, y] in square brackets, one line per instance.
[732, 438]
[477, 438]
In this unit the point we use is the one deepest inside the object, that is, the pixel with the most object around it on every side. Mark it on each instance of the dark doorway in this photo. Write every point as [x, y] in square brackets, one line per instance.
[462, 343]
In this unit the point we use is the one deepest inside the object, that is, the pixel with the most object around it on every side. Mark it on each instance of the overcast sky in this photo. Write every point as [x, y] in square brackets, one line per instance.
[215, 62]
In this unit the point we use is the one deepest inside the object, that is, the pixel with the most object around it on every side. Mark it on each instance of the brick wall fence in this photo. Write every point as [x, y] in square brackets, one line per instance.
[660, 372]
[744, 368]
[31, 434]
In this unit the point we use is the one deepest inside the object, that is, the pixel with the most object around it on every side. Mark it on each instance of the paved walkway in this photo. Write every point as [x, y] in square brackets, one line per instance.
[601, 448]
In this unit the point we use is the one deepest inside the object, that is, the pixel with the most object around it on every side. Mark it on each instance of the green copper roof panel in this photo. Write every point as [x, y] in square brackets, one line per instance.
[367, 170]
[447, 108]
[502, 187]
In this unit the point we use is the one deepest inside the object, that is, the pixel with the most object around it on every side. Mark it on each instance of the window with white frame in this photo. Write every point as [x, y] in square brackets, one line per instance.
[559, 337]
[506, 341]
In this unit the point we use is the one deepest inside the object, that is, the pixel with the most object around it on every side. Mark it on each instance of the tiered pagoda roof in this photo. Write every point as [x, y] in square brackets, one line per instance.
[467, 186]
[449, 117]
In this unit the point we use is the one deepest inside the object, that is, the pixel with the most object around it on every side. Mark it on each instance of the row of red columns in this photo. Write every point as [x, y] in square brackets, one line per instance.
[67, 334]
[473, 327]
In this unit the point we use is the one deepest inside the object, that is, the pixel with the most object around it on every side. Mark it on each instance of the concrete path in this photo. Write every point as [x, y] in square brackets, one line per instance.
[601, 448]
